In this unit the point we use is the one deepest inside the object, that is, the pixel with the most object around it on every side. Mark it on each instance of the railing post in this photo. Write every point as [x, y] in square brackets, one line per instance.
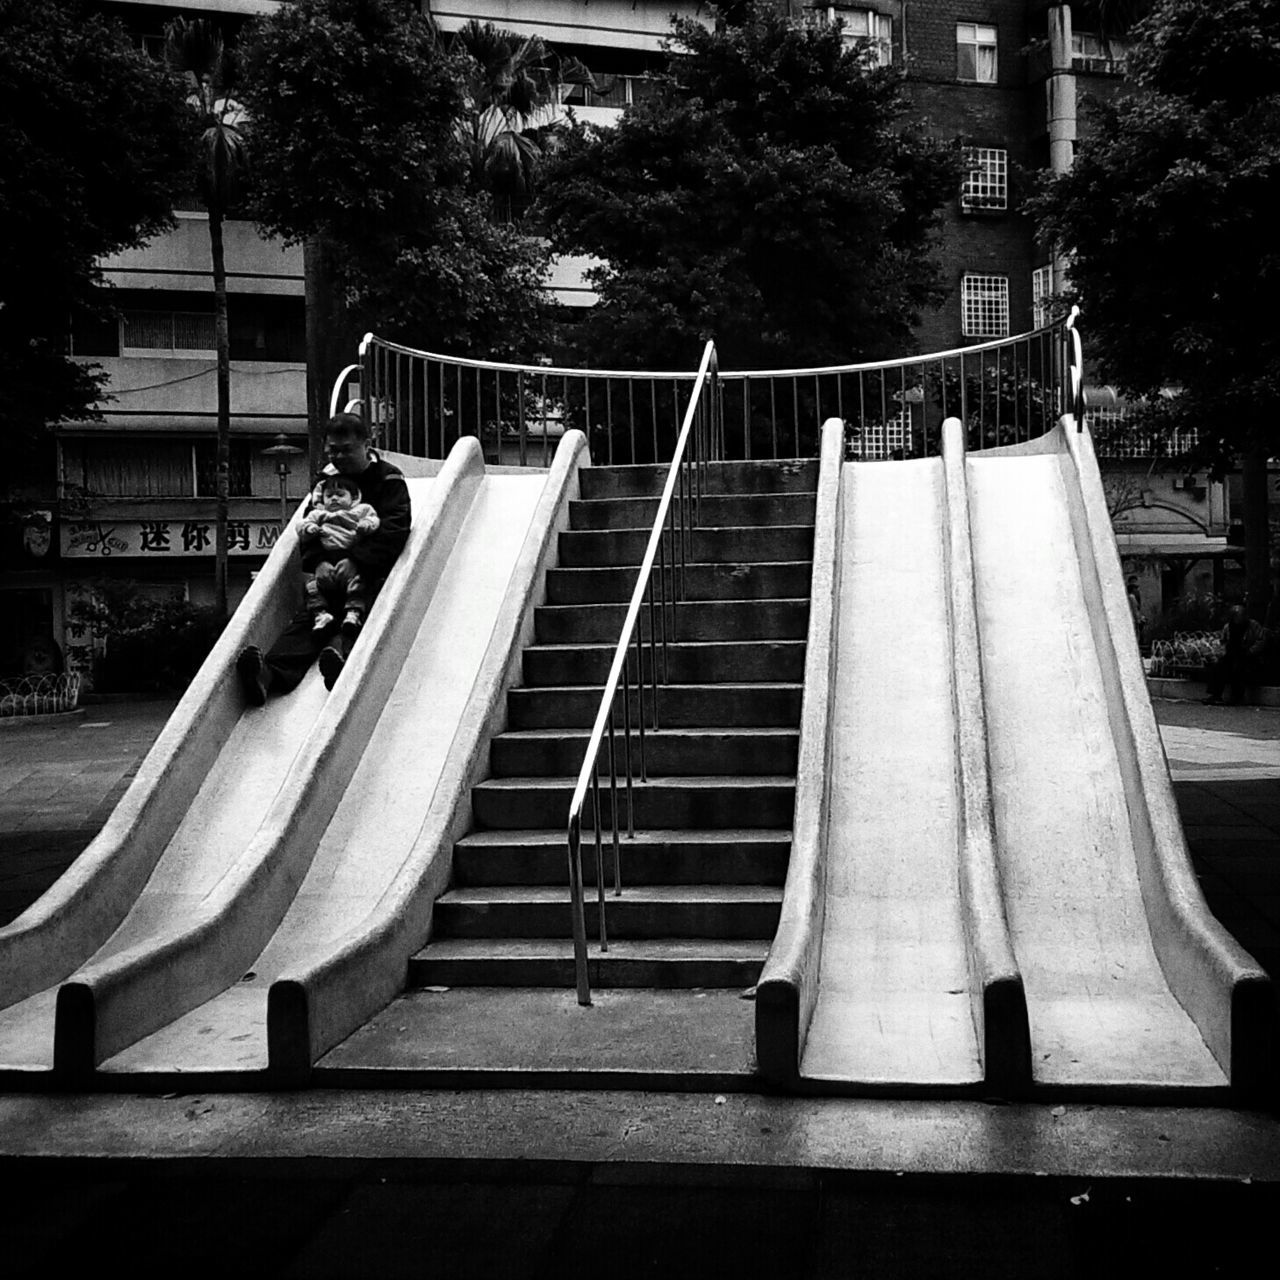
[576, 910]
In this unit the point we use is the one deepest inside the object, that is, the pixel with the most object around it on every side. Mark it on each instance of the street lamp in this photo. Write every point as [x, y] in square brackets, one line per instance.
[282, 451]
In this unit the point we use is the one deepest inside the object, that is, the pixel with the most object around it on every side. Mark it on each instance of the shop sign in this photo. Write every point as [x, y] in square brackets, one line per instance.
[163, 539]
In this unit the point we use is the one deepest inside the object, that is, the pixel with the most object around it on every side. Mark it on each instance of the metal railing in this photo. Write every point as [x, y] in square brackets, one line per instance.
[669, 547]
[1004, 391]
[422, 403]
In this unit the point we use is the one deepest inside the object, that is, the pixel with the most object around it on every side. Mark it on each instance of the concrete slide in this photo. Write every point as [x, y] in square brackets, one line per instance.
[992, 893]
[258, 844]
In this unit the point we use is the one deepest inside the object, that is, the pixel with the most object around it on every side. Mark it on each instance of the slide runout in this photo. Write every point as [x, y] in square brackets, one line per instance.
[787, 989]
[894, 1006]
[365, 903]
[1224, 990]
[190, 954]
[1129, 980]
[170, 801]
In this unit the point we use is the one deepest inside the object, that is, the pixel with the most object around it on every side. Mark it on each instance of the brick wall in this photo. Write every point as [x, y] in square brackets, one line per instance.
[1007, 114]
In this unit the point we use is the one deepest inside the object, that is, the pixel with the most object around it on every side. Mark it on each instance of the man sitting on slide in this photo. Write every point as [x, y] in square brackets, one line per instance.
[383, 487]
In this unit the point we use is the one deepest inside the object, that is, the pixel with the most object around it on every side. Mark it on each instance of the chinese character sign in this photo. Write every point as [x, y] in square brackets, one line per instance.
[155, 539]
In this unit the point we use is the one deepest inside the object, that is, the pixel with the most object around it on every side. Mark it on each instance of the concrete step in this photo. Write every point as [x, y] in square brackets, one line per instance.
[714, 510]
[519, 803]
[667, 752]
[630, 962]
[693, 620]
[601, 584]
[707, 662]
[772, 703]
[741, 855]
[727, 545]
[641, 911]
[790, 476]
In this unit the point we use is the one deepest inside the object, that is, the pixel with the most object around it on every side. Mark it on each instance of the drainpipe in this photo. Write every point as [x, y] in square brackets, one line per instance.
[1060, 111]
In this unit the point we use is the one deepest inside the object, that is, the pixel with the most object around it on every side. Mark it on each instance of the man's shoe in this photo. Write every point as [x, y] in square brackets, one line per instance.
[351, 624]
[331, 664]
[252, 670]
[323, 621]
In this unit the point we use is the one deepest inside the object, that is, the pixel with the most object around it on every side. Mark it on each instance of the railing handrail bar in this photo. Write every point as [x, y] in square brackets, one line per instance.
[340, 383]
[898, 362]
[637, 595]
[469, 362]
[725, 375]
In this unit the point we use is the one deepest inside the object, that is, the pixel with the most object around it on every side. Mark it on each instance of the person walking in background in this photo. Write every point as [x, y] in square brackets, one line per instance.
[381, 485]
[1243, 640]
[1135, 606]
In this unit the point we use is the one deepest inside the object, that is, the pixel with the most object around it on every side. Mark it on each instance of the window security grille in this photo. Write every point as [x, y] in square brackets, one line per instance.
[986, 180]
[168, 332]
[984, 306]
[875, 440]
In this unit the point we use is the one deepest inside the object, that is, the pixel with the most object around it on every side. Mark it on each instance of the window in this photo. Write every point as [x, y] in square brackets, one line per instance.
[875, 440]
[984, 306]
[1041, 293]
[153, 468]
[1092, 53]
[241, 469]
[858, 24]
[616, 91]
[986, 181]
[168, 333]
[975, 52]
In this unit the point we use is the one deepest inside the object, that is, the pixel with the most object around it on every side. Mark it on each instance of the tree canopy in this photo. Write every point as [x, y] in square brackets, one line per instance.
[768, 194]
[354, 108]
[95, 152]
[1168, 217]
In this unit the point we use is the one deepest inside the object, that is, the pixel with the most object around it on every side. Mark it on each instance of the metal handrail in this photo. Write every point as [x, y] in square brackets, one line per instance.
[1075, 365]
[669, 546]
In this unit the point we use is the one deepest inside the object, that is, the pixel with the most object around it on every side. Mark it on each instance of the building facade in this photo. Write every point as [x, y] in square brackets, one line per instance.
[1007, 80]
[134, 496]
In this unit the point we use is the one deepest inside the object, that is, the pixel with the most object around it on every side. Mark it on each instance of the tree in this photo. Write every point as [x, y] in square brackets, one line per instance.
[511, 90]
[95, 152]
[1168, 216]
[354, 109]
[767, 194]
[195, 49]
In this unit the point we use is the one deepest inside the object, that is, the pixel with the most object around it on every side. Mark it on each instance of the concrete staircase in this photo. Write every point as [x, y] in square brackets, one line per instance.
[703, 877]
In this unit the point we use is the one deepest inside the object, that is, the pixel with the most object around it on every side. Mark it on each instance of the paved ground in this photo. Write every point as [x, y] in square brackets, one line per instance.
[60, 779]
[615, 1184]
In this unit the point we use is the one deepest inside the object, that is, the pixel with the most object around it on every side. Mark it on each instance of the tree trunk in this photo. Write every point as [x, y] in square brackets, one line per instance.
[1257, 532]
[222, 469]
[331, 340]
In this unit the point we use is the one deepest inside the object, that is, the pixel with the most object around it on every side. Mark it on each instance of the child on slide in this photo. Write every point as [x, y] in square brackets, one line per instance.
[337, 520]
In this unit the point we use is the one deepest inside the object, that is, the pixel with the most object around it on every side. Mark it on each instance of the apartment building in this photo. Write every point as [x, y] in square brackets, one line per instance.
[135, 490]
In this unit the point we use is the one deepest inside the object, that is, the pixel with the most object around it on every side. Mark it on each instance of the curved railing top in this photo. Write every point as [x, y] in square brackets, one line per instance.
[505, 366]
[686, 375]
[1004, 390]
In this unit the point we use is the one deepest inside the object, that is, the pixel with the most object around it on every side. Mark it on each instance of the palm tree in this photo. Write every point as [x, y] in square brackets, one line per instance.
[512, 88]
[195, 49]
